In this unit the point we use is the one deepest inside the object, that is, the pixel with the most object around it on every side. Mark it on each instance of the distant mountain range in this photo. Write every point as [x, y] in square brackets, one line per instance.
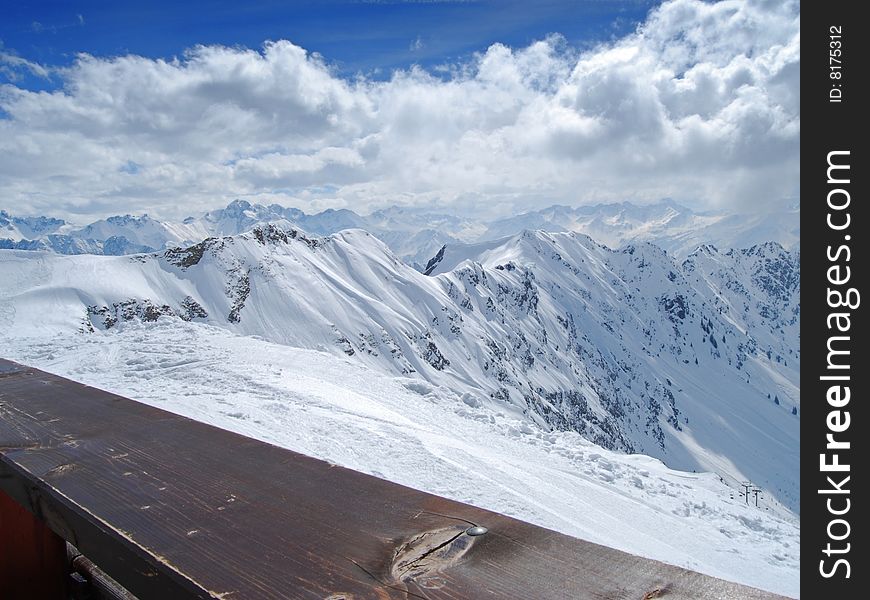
[695, 360]
[415, 235]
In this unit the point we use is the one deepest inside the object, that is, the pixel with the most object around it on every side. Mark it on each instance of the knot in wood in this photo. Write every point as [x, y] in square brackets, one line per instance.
[425, 555]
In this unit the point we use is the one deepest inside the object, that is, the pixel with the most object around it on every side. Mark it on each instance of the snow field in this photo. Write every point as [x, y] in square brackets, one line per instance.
[428, 437]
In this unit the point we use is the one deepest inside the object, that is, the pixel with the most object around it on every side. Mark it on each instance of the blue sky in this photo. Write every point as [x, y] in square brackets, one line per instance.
[373, 36]
[487, 107]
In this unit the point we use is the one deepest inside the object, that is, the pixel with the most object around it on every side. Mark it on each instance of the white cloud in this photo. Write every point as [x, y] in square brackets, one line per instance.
[12, 65]
[700, 104]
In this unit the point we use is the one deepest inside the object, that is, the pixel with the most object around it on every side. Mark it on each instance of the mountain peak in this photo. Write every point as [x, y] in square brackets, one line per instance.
[705, 249]
[764, 249]
[238, 205]
[238, 208]
[135, 221]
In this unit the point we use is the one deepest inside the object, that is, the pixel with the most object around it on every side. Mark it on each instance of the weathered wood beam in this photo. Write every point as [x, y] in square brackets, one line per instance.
[174, 508]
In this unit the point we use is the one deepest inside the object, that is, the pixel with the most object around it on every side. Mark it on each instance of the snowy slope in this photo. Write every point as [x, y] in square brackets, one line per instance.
[695, 363]
[434, 439]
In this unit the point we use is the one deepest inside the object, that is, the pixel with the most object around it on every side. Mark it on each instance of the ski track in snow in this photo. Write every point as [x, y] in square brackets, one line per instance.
[430, 438]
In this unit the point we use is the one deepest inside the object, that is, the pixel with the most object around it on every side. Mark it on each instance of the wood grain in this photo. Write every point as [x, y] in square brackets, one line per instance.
[174, 508]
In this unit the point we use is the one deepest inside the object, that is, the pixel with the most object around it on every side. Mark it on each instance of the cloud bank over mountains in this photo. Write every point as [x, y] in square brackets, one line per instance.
[700, 104]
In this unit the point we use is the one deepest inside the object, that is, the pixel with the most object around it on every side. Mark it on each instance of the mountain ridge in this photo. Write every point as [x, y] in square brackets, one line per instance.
[694, 362]
[413, 234]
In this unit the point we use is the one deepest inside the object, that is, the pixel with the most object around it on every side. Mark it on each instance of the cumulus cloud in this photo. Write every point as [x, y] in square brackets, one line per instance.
[700, 104]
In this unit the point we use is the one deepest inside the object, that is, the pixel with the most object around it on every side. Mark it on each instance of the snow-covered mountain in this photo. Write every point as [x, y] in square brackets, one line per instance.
[115, 236]
[694, 362]
[415, 235]
[671, 226]
[411, 234]
[17, 228]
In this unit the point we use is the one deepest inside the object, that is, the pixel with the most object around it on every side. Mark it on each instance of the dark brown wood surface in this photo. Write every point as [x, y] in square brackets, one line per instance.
[174, 508]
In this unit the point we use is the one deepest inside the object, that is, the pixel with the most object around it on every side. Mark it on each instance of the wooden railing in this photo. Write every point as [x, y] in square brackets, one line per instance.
[173, 508]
